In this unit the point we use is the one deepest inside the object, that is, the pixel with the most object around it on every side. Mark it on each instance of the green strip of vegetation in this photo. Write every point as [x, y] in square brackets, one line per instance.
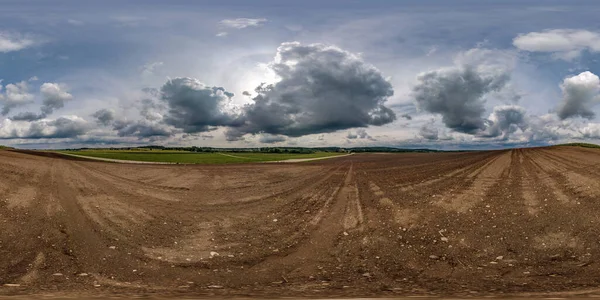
[185, 157]
[586, 145]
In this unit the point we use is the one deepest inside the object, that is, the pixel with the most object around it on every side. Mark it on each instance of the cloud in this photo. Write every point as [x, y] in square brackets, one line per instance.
[548, 128]
[27, 116]
[321, 89]
[63, 127]
[241, 23]
[505, 120]
[142, 129]
[591, 131]
[565, 44]
[271, 138]
[361, 133]
[152, 122]
[15, 95]
[221, 34]
[459, 93]
[75, 22]
[428, 131]
[104, 116]
[128, 20]
[406, 116]
[432, 50]
[151, 110]
[55, 95]
[148, 69]
[196, 107]
[580, 94]
[10, 42]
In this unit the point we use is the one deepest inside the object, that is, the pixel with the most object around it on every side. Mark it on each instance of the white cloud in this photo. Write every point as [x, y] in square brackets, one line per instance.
[63, 127]
[14, 42]
[580, 94]
[128, 20]
[222, 34]
[148, 69]
[591, 130]
[16, 94]
[75, 22]
[432, 50]
[565, 44]
[55, 96]
[506, 120]
[241, 23]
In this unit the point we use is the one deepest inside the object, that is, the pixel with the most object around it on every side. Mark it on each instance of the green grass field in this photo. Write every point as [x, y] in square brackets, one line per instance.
[585, 145]
[184, 157]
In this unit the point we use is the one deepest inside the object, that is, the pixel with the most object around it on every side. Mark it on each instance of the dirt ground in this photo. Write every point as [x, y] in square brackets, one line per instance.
[519, 222]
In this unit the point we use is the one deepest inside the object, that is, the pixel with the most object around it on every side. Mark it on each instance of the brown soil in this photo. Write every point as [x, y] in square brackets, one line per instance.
[518, 222]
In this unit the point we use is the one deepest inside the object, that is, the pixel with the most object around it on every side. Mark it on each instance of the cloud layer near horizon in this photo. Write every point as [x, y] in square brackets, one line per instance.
[319, 89]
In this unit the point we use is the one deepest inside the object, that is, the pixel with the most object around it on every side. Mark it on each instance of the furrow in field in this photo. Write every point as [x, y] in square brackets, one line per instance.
[576, 161]
[407, 187]
[484, 178]
[541, 174]
[578, 181]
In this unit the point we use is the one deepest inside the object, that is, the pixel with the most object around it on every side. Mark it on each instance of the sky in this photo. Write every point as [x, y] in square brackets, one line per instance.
[436, 74]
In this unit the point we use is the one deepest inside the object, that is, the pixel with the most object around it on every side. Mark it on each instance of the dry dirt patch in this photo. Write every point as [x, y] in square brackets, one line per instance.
[519, 222]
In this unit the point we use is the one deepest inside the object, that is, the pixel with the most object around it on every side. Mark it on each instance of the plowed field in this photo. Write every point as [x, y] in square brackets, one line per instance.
[513, 222]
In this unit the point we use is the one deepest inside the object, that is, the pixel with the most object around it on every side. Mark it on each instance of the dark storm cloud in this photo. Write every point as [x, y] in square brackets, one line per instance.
[142, 129]
[195, 107]
[28, 116]
[271, 138]
[457, 94]
[104, 116]
[505, 120]
[322, 89]
[580, 94]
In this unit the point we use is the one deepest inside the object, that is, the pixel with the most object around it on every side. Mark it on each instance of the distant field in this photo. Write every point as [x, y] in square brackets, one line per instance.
[585, 145]
[185, 157]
